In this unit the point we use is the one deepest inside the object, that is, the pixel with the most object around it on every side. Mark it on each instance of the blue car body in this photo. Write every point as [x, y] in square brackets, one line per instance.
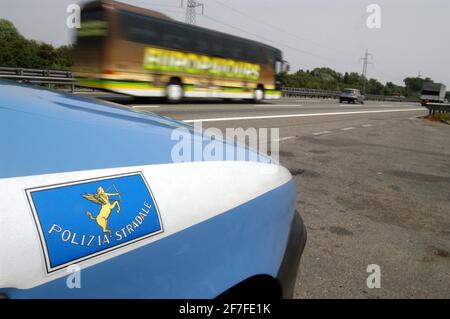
[195, 229]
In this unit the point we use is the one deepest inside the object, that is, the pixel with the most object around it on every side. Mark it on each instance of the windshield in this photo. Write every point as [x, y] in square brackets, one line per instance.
[93, 25]
[428, 92]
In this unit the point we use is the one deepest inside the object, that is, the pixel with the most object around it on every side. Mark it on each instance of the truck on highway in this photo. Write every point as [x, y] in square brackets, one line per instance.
[433, 93]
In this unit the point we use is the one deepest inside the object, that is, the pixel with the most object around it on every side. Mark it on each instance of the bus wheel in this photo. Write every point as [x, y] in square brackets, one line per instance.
[174, 92]
[258, 95]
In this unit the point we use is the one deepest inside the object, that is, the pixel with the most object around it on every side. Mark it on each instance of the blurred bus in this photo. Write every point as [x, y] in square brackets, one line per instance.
[140, 52]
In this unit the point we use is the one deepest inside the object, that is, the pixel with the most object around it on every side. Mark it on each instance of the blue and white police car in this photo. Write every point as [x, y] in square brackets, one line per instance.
[90, 188]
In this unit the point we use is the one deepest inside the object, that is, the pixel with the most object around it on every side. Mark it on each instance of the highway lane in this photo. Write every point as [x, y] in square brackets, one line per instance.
[248, 111]
[294, 117]
[206, 109]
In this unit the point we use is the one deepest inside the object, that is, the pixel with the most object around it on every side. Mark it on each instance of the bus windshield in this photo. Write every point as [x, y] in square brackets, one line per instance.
[93, 25]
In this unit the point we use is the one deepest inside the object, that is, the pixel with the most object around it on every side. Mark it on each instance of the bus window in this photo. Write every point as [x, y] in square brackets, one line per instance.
[93, 15]
[140, 29]
[234, 50]
[174, 41]
[253, 53]
[176, 37]
[217, 47]
[274, 57]
[200, 43]
[94, 26]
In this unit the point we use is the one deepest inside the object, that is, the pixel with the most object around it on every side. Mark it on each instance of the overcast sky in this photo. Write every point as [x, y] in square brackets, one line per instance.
[414, 35]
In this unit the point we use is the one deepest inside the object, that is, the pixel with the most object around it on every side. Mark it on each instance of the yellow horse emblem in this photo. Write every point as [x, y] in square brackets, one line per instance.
[102, 198]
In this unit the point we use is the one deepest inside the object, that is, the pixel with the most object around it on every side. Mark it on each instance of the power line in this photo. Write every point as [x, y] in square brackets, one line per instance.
[191, 19]
[192, 5]
[281, 44]
[165, 8]
[265, 39]
[230, 26]
[190, 15]
[275, 27]
[146, 2]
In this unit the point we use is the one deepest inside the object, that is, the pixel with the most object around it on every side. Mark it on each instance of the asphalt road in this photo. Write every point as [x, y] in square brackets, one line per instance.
[373, 188]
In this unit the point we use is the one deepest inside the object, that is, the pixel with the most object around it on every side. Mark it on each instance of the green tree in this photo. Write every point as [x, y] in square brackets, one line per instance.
[328, 79]
[10, 41]
[8, 31]
[16, 51]
[415, 84]
[374, 87]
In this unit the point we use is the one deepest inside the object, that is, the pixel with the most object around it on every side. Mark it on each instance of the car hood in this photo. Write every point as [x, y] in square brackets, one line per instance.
[208, 209]
[45, 131]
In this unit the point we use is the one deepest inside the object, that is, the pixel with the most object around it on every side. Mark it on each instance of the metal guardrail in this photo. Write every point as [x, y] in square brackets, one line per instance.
[301, 92]
[36, 76]
[65, 78]
[434, 108]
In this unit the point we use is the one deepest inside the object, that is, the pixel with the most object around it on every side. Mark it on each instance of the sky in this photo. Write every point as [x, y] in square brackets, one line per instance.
[413, 38]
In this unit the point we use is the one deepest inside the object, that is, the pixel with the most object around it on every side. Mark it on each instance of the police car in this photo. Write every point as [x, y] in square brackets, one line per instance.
[92, 205]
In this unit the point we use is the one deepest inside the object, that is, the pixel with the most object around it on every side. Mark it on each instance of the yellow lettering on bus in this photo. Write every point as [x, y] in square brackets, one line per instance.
[176, 61]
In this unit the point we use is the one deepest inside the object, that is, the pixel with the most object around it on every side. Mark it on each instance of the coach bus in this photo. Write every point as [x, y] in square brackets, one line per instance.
[144, 53]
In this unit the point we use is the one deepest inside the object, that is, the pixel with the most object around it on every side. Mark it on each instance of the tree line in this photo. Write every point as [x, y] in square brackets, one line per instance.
[328, 79]
[18, 52]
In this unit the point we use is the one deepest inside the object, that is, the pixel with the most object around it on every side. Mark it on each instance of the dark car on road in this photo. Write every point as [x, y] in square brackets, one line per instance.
[351, 96]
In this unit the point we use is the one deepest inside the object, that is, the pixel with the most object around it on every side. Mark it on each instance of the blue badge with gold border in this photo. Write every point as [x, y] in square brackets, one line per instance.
[81, 220]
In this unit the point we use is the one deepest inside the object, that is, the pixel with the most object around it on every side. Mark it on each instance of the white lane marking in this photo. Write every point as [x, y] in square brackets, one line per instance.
[275, 105]
[383, 105]
[322, 133]
[347, 128]
[315, 101]
[359, 105]
[285, 138]
[367, 125]
[264, 117]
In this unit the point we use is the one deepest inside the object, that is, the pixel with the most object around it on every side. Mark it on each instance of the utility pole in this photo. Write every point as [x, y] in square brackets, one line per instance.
[366, 62]
[191, 10]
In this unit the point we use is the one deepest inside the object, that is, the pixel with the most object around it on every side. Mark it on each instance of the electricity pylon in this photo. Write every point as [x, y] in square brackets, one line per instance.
[191, 10]
[366, 62]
